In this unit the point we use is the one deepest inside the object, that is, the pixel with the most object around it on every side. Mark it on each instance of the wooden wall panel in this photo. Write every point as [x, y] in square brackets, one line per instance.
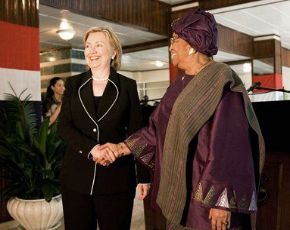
[209, 4]
[285, 54]
[21, 12]
[273, 213]
[148, 15]
[270, 206]
[234, 42]
[277, 57]
[269, 51]
[264, 49]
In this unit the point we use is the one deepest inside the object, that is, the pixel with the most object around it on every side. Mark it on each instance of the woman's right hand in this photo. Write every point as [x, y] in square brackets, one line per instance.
[109, 152]
[103, 156]
[118, 150]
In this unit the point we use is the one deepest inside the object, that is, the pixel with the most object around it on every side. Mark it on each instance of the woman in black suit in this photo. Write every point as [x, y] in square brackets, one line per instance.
[99, 106]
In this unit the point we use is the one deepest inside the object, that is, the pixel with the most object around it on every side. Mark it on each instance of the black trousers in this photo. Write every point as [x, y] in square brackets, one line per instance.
[85, 212]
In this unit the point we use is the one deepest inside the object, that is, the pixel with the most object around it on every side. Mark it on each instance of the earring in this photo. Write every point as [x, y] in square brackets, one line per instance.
[112, 57]
[190, 52]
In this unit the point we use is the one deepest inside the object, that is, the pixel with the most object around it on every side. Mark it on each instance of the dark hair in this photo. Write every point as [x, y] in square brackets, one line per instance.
[52, 82]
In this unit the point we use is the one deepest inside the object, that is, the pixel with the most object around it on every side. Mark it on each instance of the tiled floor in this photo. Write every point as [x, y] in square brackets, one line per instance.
[138, 222]
[137, 219]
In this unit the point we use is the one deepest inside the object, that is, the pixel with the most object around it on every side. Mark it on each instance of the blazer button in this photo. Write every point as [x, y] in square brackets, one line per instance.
[94, 130]
[80, 151]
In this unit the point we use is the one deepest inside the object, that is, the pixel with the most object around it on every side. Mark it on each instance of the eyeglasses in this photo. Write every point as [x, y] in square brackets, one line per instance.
[173, 39]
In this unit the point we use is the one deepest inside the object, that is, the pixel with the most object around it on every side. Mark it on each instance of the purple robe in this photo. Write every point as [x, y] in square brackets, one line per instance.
[221, 165]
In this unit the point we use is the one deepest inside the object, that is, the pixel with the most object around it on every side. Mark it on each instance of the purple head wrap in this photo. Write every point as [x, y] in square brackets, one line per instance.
[199, 29]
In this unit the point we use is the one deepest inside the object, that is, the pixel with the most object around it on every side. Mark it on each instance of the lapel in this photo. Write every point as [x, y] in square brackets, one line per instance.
[87, 95]
[109, 94]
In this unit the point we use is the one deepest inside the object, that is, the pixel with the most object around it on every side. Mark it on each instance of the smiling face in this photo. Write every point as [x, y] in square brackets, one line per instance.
[179, 49]
[98, 50]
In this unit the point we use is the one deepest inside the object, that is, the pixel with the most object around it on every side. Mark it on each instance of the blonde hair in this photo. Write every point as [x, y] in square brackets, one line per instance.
[114, 41]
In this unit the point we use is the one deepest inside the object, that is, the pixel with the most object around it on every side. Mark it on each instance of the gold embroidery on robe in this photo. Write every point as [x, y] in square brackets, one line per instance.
[223, 199]
[198, 193]
[208, 200]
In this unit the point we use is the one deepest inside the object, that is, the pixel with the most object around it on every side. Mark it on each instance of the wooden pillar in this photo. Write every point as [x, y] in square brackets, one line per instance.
[268, 52]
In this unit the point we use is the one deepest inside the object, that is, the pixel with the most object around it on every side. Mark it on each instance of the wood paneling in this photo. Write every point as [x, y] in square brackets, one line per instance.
[264, 49]
[285, 54]
[270, 206]
[152, 16]
[210, 4]
[277, 57]
[274, 211]
[269, 50]
[232, 41]
[21, 12]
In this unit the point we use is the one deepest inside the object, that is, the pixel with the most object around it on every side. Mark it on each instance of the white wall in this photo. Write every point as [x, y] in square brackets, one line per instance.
[151, 83]
[246, 77]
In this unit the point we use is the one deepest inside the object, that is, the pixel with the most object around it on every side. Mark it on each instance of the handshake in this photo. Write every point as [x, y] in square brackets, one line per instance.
[107, 153]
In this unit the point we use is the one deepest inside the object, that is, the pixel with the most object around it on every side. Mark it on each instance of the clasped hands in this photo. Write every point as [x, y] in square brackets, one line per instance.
[108, 153]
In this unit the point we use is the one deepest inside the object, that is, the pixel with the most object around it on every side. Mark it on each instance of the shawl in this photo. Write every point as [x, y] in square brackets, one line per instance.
[191, 110]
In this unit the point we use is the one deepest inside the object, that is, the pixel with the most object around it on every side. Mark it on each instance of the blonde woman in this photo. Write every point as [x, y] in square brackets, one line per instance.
[99, 105]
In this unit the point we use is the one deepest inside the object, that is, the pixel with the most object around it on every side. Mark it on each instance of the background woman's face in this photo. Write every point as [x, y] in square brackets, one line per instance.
[58, 88]
[98, 50]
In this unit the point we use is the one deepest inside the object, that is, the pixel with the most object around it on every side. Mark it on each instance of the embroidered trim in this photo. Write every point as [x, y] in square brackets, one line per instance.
[243, 203]
[253, 204]
[130, 142]
[198, 193]
[222, 199]
[208, 200]
[136, 148]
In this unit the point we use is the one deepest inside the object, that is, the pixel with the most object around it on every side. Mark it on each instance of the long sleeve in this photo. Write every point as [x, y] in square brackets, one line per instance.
[143, 142]
[224, 156]
[147, 143]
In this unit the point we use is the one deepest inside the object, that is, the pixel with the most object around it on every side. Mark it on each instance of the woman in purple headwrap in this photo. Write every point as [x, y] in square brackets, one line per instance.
[203, 141]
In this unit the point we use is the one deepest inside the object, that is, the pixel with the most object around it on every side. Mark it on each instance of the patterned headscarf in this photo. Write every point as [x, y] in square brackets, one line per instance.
[199, 29]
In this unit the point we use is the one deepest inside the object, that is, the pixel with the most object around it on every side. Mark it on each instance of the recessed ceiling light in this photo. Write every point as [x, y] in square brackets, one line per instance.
[247, 67]
[159, 63]
[66, 31]
[51, 59]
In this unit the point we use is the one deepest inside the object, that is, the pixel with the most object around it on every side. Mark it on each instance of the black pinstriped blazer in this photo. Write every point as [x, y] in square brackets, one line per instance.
[80, 134]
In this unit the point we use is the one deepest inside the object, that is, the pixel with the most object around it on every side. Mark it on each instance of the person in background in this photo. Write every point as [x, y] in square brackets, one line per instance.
[146, 109]
[203, 140]
[99, 106]
[52, 103]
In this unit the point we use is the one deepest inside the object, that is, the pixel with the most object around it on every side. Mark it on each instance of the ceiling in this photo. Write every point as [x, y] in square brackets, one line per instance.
[260, 18]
